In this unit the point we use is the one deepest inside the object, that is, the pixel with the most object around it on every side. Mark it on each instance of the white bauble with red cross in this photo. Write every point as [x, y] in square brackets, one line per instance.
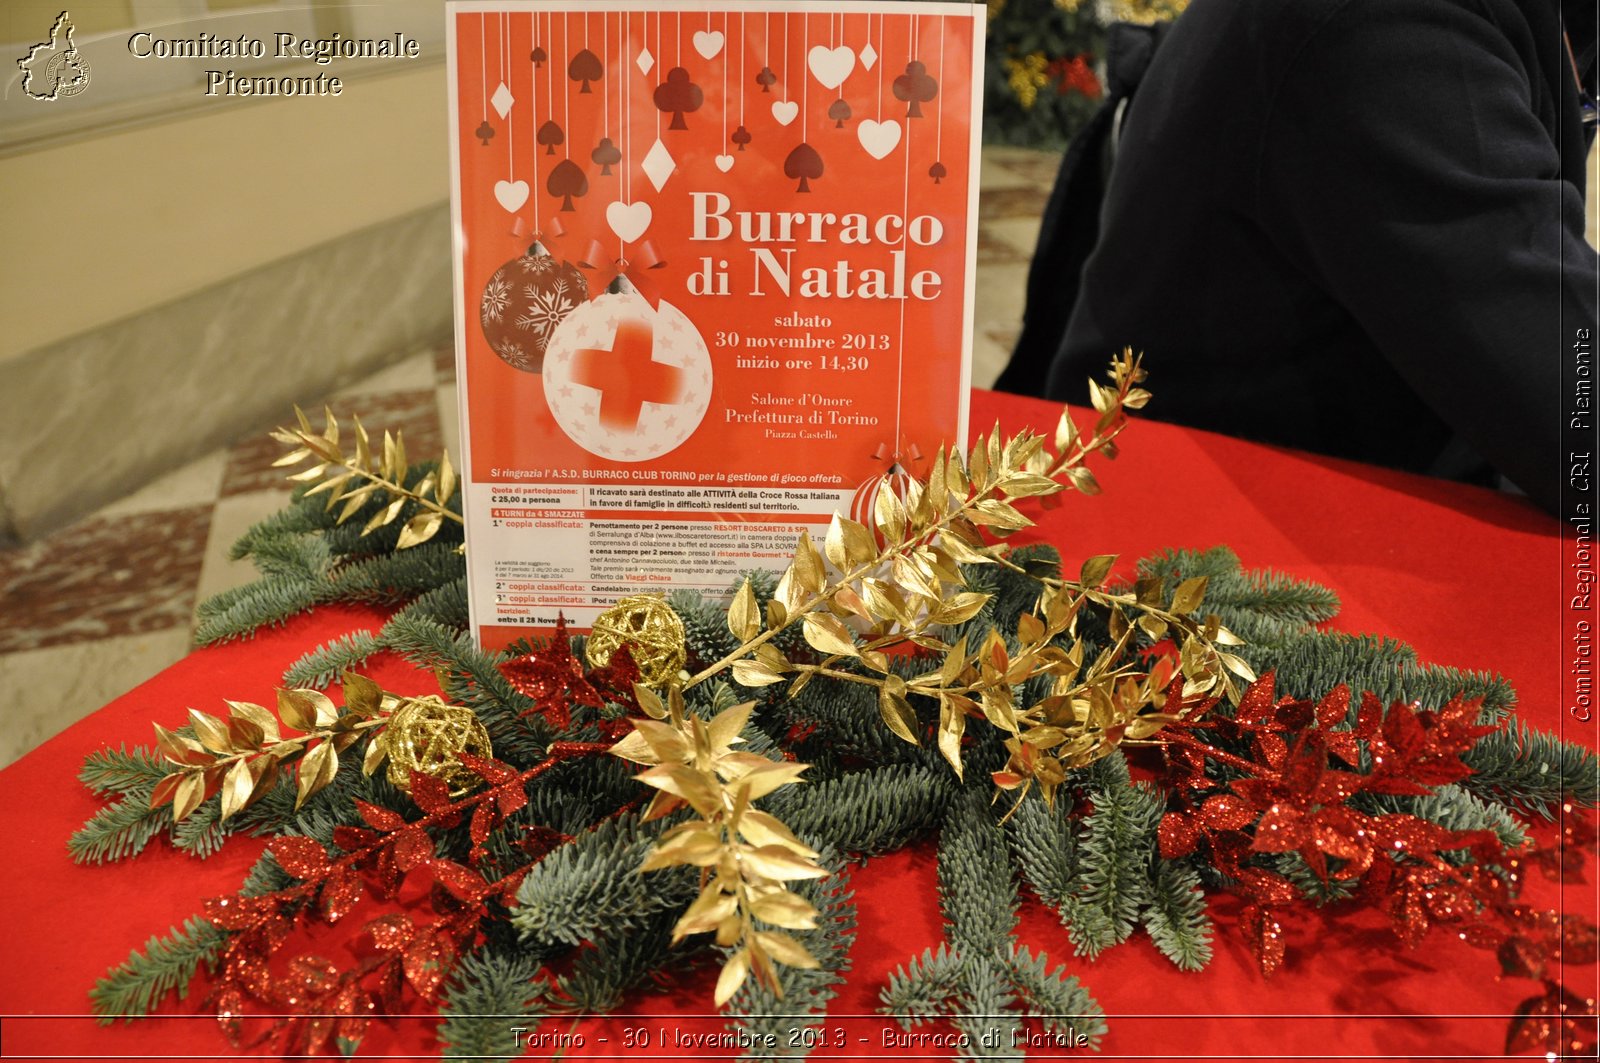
[626, 381]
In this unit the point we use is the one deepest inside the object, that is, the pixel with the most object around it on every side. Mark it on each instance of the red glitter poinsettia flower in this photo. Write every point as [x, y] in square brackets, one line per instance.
[556, 681]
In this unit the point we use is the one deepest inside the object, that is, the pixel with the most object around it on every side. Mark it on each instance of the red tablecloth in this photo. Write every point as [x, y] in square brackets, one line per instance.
[1468, 577]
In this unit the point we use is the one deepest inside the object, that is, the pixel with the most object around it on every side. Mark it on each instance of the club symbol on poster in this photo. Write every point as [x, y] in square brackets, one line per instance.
[625, 381]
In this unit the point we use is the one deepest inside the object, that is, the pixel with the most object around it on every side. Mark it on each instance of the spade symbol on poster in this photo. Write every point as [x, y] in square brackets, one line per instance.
[550, 135]
[915, 87]
[567, 180]
[679, 95]
[804, 163]
[538, 55]
[585, 67]
[938, 172]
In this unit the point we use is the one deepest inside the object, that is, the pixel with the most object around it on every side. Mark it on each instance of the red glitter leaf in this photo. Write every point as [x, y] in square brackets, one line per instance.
[1341, 832]
[483, 822]
[427, 961]
[1369, 717]
[511, 799]
[1282, 828]
[1343, 744]
[430, 794]
[1334, 707]
[1264, 934]
[1271, 750]
[379, 818]
[1266, 887]
[1579, 944]
[460, 881]
[1303, 768]
[313, 975]
[340, 894]
[411, 847]
[352, 838]
[1255, 705]
[491, 771]
[301, 857]
[239, 913]
[386, 874]
[1294, 715]
[1178, 835]
[391, 933]
[540, 842]
[1227, 812]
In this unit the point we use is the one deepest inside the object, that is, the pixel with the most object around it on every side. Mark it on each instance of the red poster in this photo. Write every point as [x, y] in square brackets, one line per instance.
[715, 268]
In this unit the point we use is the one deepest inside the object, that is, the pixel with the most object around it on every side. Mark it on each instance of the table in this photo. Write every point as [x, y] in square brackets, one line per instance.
[1468, 577]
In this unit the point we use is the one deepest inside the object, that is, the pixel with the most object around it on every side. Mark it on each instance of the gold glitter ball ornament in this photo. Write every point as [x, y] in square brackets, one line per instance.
[649, 628]
[427, 734]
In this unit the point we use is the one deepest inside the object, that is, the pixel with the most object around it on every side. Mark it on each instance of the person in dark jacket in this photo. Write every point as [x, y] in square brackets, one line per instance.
[1354, 227]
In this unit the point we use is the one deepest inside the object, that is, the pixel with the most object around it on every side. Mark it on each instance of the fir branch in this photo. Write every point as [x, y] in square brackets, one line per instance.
[977, 890]
[1453, 808]
[1309, 665]
[1175, 915]
[1056, 999]
[119, 830]
[122, 771]
[603, 974]
[1319, 890]
[445, 605]
[873, 811]
[1044, 845]
[323, 665]
[1115, 847]
[201, 833]
[926, 989]
[1261, 606]
[489, 994]
[1531, 770]
[591, 887]
[298, 518]
[241, 611]
[299, 557]
[166, 965]
[390, 579]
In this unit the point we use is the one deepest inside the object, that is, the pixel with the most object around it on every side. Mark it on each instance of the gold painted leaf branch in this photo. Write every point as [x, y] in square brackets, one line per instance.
[356, 478]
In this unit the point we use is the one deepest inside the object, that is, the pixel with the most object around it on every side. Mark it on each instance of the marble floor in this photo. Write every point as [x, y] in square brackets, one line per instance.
[96, 608]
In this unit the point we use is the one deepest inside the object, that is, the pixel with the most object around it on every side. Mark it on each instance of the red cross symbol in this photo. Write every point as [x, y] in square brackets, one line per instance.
[627, 376]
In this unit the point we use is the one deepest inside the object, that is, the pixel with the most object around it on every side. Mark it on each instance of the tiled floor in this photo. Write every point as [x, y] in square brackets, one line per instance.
[98, 607]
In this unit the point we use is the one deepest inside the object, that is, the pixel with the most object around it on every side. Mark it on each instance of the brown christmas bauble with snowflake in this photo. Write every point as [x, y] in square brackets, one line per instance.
[524, 302]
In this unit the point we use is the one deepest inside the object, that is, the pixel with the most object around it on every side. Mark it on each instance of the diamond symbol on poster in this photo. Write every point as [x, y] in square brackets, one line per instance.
[645, 61]
[502, 99]
[869, 55]
[658, 165]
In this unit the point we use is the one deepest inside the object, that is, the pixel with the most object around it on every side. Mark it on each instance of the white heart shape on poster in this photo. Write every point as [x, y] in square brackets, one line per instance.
[831, 65]
[708, 43]
[511, 194]
[724, 162]
[785, 111]
[628, 220]
[879, 138]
